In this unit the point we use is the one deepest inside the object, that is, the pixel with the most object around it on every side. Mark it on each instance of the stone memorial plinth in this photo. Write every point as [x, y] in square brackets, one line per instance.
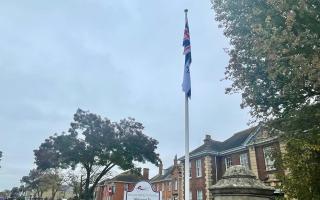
[239, 183]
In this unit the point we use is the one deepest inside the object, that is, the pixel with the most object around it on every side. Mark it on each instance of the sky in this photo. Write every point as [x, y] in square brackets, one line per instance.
[114, 58]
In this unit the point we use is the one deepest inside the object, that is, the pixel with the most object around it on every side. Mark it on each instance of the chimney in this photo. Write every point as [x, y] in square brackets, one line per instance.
[160, 168]
[145, 174]
[175, 161]
[207, 139]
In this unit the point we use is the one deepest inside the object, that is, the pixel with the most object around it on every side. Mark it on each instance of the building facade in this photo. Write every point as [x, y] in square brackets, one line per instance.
[169, 181]
[114, 188]
[250, 148]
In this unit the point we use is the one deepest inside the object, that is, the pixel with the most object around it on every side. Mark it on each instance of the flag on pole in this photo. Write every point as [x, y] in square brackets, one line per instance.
[186, 84]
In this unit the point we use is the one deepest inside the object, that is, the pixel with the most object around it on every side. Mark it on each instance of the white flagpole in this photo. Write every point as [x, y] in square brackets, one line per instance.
[186, 161]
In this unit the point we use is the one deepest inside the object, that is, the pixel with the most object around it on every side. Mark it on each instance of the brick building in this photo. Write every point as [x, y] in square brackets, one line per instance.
[168, 181]
[113, 189]
[250, 148]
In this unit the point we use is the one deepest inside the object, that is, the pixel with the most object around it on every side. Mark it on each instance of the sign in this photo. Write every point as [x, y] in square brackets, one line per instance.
[142, 191]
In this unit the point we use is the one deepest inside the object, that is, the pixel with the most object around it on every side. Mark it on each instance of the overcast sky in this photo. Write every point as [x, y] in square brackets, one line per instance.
[114, 58]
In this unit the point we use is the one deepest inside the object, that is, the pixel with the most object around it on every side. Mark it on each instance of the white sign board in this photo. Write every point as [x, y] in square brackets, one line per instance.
[142, 191]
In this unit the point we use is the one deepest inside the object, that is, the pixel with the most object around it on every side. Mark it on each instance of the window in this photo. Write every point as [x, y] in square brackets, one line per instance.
[113, 189]
[126, 187]
[169, 186]
[199, 194]
[190, 172]
[269, 162]
[244, 160]
[158, 187]
[190, 195]
[176, 185]
[198, 168]
[228, 162]
[162, 188]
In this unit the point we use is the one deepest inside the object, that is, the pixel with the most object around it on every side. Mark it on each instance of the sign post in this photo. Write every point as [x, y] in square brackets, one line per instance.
[142, 191]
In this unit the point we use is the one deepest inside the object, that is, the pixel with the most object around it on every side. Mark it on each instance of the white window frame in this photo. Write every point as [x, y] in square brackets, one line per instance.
[190, 195]
[269, 162]
[176, 184]
[113, 188]
[199, 195]
[228, 162]
[126, 187]
[244, 160]
[198, 168]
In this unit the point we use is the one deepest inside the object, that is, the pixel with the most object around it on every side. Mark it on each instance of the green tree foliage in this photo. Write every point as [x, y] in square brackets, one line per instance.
[96, 144]
[5, 194]
[39, 181]
[53, 181]
[15, 193]
[35, 183]
[73, 180]
[22, 190]
[275, 65]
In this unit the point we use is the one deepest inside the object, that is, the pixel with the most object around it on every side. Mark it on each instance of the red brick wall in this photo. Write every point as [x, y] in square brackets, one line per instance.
[164, 188]
[166, 192]
[197, 183]
[235, 159]
[103, 194]
[262, 172]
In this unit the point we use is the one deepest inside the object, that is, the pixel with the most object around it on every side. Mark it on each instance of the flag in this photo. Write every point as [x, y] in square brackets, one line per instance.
[186, 84]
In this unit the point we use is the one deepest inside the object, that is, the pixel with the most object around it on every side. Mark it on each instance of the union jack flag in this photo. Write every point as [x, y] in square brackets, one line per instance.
[186, 84]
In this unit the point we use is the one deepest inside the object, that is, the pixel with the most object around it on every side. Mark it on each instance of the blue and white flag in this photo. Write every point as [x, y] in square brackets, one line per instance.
[186, 84]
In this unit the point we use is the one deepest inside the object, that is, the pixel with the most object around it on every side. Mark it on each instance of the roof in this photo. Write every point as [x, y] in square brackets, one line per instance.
[211, 145]
[127, 176]
[237, 140]
[165, 176]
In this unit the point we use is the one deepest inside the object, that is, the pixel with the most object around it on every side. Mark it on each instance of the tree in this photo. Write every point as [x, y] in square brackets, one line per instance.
[5, 193]
[15, 193]
[53, 181]
[97, 144]
[40, 181]
[34, 183]
[275, 65]
[74, 181]
[22, 190]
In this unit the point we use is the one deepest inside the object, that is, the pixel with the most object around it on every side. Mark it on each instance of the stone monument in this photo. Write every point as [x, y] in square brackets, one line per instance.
[239, 183]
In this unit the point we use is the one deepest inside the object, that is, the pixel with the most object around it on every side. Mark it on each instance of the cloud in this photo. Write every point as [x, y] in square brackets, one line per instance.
[116, 59]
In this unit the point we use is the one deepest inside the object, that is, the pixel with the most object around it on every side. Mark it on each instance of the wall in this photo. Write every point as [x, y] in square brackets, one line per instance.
[197, 183]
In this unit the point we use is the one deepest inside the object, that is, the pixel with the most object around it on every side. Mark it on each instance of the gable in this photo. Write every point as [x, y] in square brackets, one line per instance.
[261, 136]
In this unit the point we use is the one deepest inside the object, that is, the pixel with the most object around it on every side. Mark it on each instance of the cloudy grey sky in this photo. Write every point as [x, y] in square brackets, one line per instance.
[114, 58]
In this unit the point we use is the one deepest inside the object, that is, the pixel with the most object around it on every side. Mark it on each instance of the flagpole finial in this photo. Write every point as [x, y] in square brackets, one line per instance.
[185, 10]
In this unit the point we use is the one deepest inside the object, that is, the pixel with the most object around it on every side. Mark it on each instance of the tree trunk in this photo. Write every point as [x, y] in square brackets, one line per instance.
[87, 195]
[53, 193]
